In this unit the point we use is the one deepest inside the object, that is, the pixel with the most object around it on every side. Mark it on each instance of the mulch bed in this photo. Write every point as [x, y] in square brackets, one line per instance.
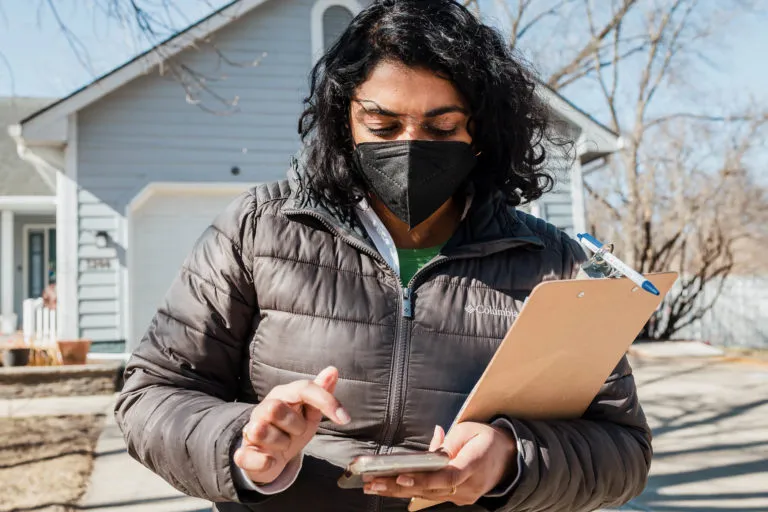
[46, 461]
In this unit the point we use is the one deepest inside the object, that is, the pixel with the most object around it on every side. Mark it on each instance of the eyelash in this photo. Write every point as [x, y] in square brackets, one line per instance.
[435, 131]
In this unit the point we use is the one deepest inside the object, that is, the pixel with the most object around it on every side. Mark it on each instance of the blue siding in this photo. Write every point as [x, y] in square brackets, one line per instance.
[147, 131]
[557, 205]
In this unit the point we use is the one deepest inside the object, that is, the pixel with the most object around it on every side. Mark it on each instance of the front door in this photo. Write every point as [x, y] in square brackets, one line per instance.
[40, 258]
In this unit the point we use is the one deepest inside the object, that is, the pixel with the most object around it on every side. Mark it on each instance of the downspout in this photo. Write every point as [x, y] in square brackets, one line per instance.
[44, 168]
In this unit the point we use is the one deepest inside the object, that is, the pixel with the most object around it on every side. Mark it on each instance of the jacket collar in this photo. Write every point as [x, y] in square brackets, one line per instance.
[491, 225]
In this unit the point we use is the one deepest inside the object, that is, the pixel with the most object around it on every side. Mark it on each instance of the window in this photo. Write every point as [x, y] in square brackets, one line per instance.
[329, 19]
[36, 264]
[40, 259]
[335, 20]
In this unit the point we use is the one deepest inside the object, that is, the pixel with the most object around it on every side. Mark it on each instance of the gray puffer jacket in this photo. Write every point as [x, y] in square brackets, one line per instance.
[278, 288]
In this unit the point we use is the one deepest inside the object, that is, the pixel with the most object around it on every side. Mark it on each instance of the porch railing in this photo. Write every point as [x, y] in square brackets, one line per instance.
[38, 323]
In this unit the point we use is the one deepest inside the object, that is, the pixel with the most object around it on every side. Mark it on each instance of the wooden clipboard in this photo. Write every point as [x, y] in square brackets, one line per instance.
[568, 338]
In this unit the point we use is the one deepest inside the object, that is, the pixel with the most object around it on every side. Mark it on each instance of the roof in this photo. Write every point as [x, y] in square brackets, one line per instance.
[601, 139]
[17, 177]
[575, 107]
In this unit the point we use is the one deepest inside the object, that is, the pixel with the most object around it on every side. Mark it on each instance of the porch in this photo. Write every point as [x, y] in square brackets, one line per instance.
[27, 253]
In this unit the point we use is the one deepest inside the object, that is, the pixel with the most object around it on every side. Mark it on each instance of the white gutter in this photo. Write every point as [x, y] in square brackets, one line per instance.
[42, 166]
[595, 165]
[14, 131]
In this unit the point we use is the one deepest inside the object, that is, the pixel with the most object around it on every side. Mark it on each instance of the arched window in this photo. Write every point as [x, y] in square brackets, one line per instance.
[329, 19]
[335, 20]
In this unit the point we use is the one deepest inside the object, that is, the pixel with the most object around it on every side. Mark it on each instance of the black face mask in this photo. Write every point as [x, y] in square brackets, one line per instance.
[414, 178]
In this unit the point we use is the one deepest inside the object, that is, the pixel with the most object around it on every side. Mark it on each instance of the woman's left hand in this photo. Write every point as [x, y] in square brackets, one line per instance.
[481, 457]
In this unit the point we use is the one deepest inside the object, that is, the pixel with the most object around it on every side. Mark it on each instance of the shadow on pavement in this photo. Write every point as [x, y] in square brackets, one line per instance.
[710, 439]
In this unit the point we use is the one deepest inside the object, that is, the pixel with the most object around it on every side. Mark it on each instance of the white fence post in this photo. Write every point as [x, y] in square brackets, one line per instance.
[38, 323]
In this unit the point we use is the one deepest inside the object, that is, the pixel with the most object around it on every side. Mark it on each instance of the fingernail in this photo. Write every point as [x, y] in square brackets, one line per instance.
[378, 487]
[326, 373]
[343, 416]
[368, 490]
[405, 481]
[434, 444]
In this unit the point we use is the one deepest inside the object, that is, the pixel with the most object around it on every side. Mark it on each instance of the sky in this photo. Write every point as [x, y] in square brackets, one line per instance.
[36, 58]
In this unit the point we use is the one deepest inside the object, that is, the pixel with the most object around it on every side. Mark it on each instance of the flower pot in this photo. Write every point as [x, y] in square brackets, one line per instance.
[73, 351]
[16, 356]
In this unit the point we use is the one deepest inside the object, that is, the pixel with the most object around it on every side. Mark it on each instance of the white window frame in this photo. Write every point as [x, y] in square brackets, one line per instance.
[45, 228]
[318, 10]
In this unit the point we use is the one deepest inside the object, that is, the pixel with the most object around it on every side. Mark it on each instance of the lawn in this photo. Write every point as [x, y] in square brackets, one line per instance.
[45, 461]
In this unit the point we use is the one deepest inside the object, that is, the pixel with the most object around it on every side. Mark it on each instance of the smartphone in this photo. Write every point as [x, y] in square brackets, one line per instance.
[391, 465]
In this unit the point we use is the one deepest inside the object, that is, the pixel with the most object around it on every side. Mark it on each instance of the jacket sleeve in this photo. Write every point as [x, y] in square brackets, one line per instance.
[599, 460]
[177, 409]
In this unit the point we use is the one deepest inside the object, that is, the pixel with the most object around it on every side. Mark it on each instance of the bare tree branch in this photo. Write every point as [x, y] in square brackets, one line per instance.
[75, 44]
[608, 206]
[553, 11]
[557, 77]
[699, 117]
[609, 94]
[672, 48]
[588, 66]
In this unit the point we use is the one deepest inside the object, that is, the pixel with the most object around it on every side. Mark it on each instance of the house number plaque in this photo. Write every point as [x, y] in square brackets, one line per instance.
[98, 263]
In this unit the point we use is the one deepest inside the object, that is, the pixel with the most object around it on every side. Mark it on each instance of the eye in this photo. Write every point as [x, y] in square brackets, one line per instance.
[387, 130]
[439, 132]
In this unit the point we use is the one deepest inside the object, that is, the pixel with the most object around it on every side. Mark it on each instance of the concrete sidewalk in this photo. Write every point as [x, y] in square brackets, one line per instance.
[120, 484]
[55, 406]
[710, 424]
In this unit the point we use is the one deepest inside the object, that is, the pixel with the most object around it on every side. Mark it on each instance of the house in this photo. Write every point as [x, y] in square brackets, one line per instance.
[27, 219]
[140, 168]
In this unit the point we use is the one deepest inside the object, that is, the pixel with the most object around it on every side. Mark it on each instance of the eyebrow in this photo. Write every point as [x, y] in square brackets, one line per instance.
[435, 112]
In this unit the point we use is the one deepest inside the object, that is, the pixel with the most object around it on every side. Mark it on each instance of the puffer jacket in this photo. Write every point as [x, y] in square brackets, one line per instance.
[278, 288]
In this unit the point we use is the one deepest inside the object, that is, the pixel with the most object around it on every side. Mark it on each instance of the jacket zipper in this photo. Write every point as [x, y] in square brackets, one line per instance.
[394, 402]
[397, 392]
[397, 388]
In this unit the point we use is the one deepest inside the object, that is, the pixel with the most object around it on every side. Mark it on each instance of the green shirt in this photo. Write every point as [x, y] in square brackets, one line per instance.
[411, 260]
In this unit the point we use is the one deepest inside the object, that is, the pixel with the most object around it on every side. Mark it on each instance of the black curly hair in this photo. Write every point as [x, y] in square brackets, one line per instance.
[510, 124]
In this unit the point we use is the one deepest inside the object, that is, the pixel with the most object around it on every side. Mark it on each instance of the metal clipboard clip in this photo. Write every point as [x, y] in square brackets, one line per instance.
[596, 267]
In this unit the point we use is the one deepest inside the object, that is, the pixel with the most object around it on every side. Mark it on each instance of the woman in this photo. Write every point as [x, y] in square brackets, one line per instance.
[346, 293]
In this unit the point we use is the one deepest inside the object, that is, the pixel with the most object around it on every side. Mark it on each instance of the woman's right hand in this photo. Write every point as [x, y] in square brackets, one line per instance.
[284, 422]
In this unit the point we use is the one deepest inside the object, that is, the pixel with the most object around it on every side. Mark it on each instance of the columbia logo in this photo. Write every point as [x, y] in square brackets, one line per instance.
[488, 310]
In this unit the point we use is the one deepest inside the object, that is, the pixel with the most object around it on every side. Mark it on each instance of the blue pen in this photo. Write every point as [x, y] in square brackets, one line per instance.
[594, 245]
